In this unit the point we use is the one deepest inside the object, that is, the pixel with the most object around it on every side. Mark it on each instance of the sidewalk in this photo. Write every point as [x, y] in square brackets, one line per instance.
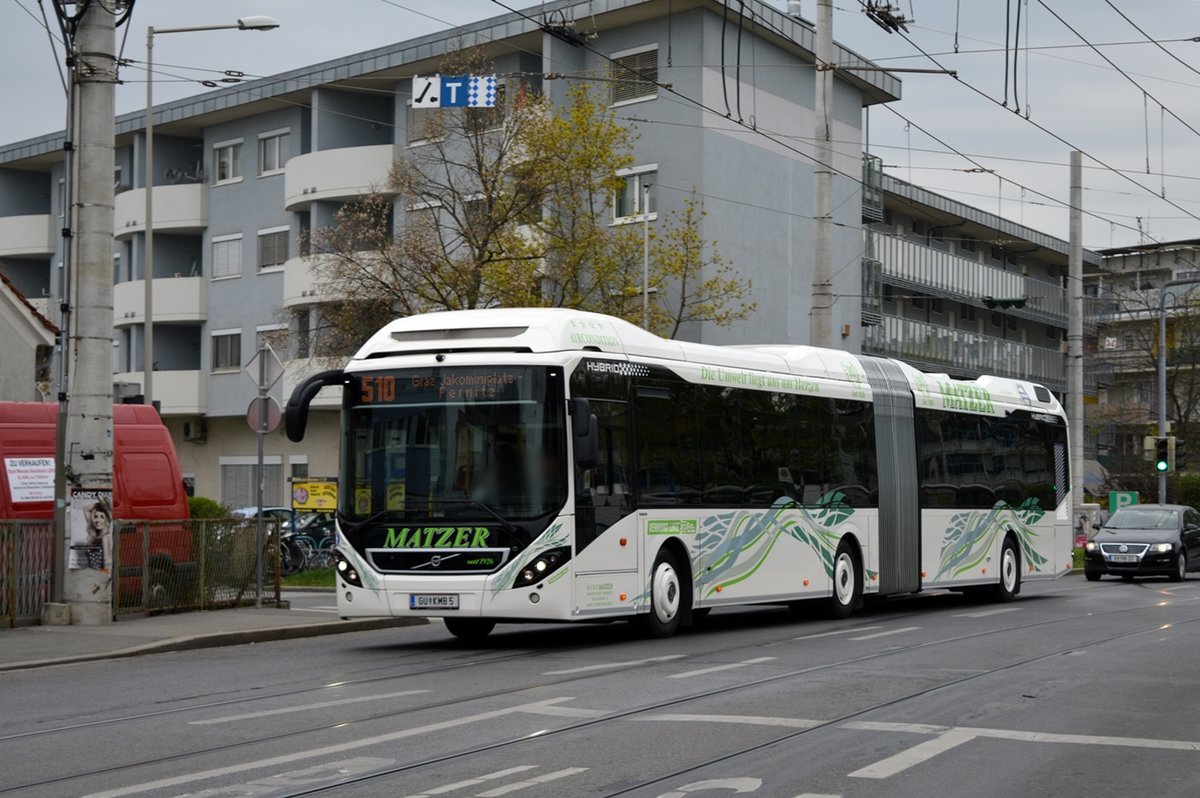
[39, 646]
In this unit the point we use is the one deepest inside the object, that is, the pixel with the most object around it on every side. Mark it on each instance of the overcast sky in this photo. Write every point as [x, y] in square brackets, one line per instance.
[1063, 85]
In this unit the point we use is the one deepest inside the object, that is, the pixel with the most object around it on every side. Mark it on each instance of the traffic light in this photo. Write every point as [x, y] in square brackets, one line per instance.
[1004, 302]
[1164, 454]
[1180, 454]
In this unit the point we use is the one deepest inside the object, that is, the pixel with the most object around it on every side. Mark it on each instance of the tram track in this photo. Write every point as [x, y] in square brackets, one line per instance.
[576, 678]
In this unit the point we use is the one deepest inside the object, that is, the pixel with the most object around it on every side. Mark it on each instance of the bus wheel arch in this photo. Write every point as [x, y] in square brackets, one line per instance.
[848, 575]
[670, 592]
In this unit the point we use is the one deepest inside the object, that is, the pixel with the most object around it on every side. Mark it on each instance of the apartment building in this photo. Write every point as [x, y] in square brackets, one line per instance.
[1132, 285]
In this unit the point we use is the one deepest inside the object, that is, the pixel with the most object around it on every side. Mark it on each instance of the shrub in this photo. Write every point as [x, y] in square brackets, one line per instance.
[201, 507]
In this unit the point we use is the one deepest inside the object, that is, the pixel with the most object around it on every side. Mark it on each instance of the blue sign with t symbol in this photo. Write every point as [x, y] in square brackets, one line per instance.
[454, 91]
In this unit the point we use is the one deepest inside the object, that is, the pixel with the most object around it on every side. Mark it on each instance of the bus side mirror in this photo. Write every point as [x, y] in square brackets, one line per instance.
[586, 433]
[295, 415]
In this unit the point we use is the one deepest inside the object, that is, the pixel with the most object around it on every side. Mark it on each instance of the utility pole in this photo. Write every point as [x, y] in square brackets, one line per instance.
[821, 315]
[1075, 334]
[87, 461]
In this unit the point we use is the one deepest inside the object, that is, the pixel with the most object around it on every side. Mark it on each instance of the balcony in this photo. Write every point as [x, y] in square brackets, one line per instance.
[181, 393]
[297, 370]
[27, 236]
[340, 174]
[176, 299]
[177, 209]
[954, 277]
[299, 283]
[964, 354]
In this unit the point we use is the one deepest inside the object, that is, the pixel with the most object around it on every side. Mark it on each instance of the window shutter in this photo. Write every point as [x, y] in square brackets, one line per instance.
[627, 69]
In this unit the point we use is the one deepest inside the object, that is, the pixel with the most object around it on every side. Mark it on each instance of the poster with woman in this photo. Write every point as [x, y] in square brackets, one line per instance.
[91, 529]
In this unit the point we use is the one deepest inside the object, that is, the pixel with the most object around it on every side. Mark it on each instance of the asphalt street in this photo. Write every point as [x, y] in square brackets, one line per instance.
[1075, 689]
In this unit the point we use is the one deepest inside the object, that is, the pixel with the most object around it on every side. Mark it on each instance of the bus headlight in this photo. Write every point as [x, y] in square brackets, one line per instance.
[542, 566]
[346, 571]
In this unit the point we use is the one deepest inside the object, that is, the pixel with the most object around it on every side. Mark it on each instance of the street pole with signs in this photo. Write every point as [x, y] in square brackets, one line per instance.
[263, 416]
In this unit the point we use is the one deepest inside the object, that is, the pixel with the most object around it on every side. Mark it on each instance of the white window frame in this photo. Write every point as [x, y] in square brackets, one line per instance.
[645, 48]
[241, 256]
[216, 148]
[213, 336]
[641, 215]
[279, 154]
[266, 232]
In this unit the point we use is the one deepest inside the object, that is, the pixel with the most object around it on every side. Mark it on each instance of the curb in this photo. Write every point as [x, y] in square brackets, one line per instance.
[307, 589]
[219, 639]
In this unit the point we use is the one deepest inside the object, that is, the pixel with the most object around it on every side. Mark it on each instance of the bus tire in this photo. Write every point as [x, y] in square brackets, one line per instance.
[469, 628]
[1009, 585]
[667, 598]
[847, 582]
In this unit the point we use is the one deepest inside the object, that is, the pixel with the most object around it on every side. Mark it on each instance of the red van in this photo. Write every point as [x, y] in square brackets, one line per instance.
[147, 486]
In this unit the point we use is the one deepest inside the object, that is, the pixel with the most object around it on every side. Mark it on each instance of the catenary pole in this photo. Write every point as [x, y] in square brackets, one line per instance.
[87, 592]
[1075, 334]
[820, 317]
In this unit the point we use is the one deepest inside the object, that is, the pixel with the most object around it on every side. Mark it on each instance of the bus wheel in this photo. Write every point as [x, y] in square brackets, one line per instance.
[847, 582]
[666, 598]
[469, 628]
[1010, 573]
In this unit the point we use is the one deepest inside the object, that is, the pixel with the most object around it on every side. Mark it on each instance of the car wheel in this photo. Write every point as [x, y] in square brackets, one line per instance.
[469, 628]
[1092, 576]
[1180, 572]
[1010, 573]
[666, 598]
[291, 558]
[847, 582]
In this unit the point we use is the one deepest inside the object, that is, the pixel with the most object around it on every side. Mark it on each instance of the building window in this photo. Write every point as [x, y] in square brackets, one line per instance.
[272, 248]
[424, 124]
[966, 312]
[228, 158]
[270, 335]
[635, 75]
[273, 151]
[628, 204]
[227, 351]
[480, 120]
[239, 484]
[227, 257]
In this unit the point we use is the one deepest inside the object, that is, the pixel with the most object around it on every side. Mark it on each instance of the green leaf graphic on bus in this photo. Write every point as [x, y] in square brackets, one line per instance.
[553, 537]
[970, 537]
[736, 544]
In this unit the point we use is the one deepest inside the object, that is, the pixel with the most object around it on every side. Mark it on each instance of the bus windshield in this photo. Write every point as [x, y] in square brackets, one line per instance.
[471, 442]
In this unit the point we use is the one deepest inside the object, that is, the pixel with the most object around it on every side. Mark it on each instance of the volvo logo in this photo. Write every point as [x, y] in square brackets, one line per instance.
[435, 560]
[1123, 549]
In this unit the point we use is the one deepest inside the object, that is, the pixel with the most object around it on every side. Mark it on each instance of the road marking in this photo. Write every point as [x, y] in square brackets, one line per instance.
[316, 609]
[302, 708]
[899, 631]
[913, 756]
[328, 750]
[838, 632]
[459, 785]
[949, 738]
[606, 665]
[753, 720]
[533, 782]
[986, 613]
[716, 668]
[911, 728]
[738, 785]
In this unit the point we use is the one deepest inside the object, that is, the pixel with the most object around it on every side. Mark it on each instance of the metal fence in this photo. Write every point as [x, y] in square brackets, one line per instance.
[26, 570]
[157, 566]
[200, 564]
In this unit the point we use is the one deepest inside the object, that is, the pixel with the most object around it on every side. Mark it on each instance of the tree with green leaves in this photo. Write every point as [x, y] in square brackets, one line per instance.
[513, 207]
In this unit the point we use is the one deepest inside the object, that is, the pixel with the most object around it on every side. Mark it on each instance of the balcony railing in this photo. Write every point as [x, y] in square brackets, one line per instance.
[962, 353]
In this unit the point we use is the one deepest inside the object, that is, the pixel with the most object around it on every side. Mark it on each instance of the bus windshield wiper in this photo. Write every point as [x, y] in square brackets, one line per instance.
[354, 526]
[507, 525]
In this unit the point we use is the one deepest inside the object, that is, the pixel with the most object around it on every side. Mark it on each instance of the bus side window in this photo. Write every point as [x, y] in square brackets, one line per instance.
[603, 493]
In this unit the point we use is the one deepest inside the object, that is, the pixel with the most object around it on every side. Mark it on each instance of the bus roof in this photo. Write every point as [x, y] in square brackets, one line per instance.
[549, 330]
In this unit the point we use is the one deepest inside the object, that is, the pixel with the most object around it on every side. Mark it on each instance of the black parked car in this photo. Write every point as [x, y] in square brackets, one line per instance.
[1145, 540]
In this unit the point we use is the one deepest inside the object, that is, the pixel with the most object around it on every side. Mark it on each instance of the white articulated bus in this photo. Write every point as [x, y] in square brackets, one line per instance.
[555, 465]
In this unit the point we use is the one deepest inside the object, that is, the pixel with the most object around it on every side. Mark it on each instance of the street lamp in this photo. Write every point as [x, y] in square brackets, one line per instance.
[1162, 373]
[245, 23]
